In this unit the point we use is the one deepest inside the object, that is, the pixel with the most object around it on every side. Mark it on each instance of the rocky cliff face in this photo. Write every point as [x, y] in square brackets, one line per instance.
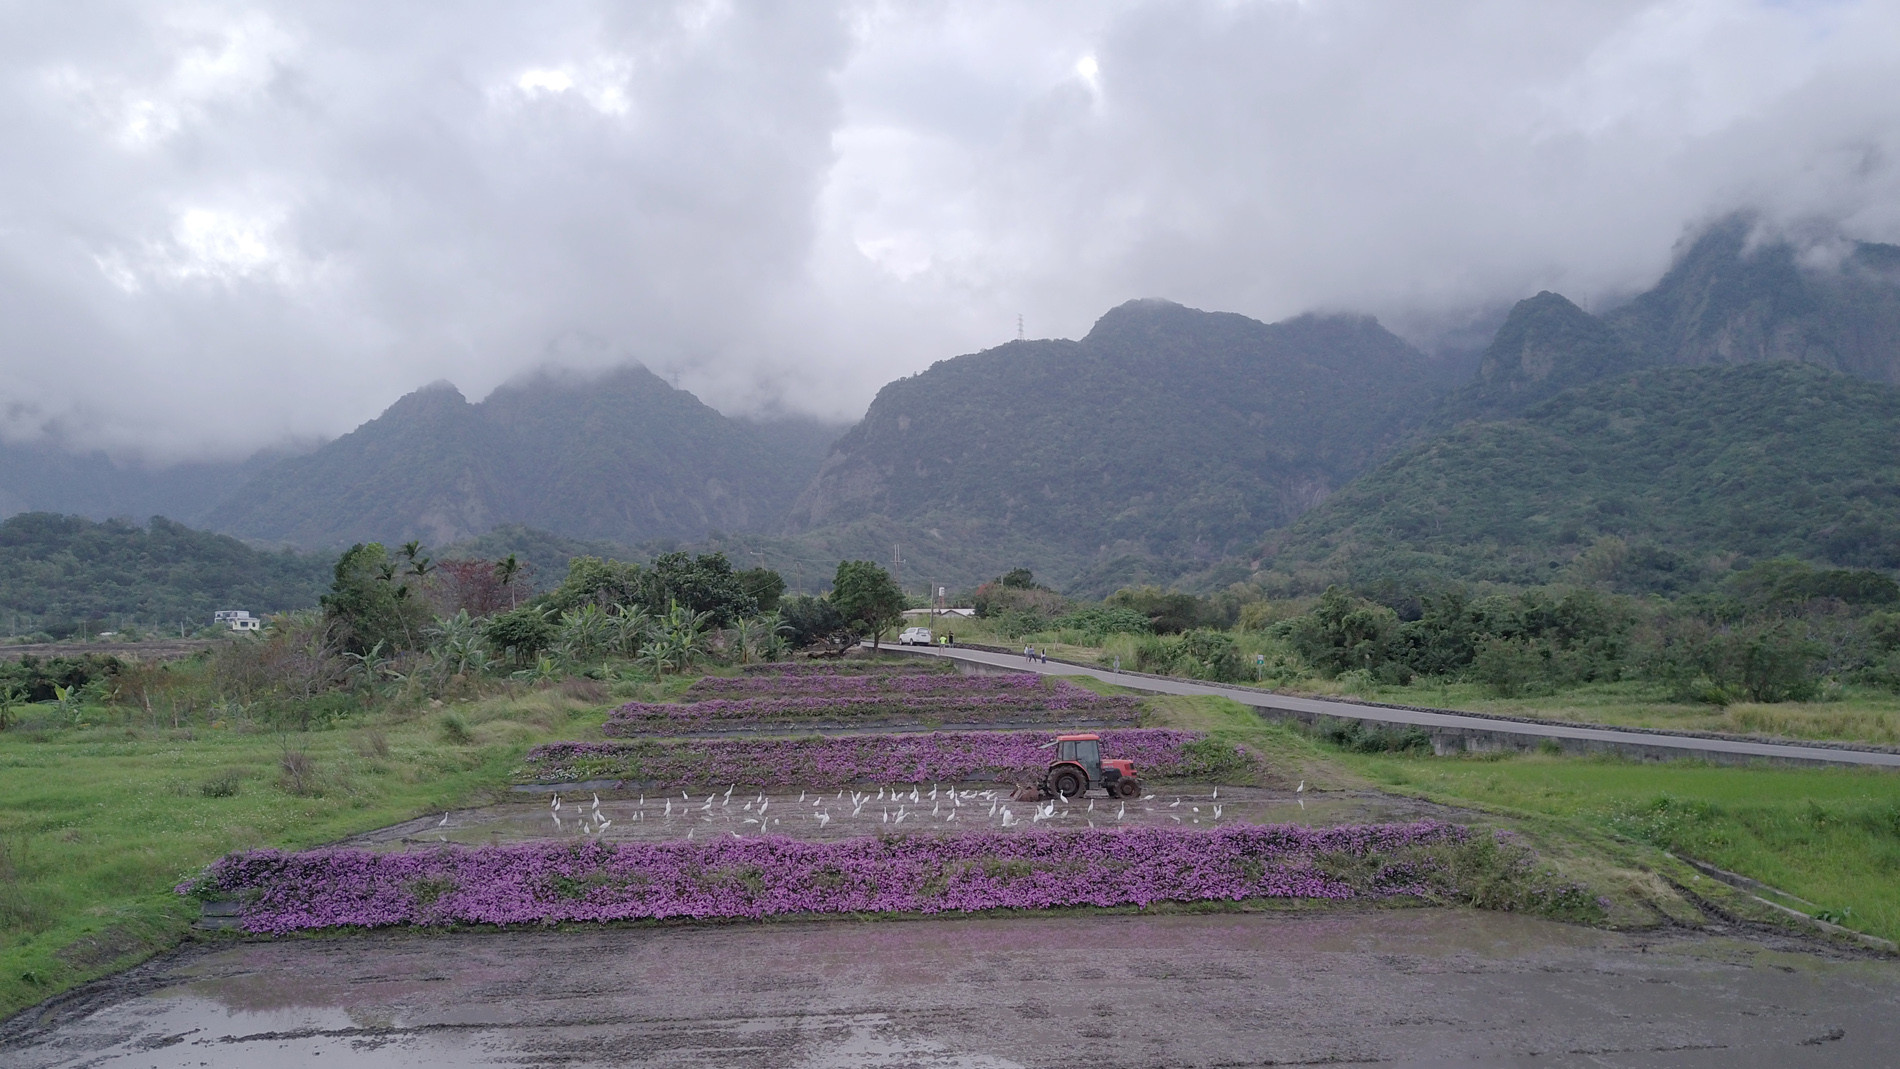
[1731, 300]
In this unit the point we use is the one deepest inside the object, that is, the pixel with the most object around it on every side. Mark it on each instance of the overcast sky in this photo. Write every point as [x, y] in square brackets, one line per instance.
[225, 224]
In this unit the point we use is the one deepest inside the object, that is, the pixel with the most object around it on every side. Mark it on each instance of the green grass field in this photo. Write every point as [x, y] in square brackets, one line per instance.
[97, 824]
[1829, 836]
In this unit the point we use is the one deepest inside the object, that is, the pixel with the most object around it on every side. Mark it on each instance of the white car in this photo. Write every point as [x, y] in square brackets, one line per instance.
[915, 636]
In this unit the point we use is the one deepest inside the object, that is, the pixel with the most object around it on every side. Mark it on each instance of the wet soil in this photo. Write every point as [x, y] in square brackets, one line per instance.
[1407, 987]
[826, 815]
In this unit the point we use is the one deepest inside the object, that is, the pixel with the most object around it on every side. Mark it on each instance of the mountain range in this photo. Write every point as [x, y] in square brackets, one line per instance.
[622, 457]
[1166, 445]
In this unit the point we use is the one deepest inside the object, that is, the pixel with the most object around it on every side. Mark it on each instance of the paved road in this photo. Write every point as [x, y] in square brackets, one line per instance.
[1472, 729]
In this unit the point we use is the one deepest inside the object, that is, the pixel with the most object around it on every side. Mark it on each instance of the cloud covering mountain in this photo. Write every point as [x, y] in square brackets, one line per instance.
[227, 224]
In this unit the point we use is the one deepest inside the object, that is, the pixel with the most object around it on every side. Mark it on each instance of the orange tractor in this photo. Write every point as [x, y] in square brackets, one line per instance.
[1079, 766]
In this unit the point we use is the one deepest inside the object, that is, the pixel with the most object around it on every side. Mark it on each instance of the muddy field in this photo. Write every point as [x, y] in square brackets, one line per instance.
[1409, 987]
[842, 814]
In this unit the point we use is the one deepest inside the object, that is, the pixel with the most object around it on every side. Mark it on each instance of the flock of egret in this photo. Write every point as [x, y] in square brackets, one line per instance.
[888, 807]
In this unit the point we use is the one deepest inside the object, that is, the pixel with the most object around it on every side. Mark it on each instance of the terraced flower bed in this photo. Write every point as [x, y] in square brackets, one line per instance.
[920, 685]
[844, 760]
[905, 665]
[728, 877]
[1023, 698]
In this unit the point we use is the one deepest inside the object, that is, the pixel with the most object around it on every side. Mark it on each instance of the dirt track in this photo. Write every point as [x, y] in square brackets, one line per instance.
[1406, 986]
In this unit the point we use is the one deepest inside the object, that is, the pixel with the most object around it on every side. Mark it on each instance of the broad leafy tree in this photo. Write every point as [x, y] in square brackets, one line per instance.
[372, 601]
[867, 598]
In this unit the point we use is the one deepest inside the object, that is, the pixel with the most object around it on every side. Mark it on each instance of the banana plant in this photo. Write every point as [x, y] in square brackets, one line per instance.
[458, 645]
[633, 629]
[682, 637]
[66, 700]
[585, 633]
[12, 696]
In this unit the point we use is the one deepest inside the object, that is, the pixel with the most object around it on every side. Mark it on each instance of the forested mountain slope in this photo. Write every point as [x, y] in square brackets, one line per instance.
[624, 457]
[1648, 482]
[59, 572]
[1167, 432]
[1545, 346]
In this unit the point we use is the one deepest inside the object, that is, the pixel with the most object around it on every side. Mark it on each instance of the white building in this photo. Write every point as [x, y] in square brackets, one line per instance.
[236, 619]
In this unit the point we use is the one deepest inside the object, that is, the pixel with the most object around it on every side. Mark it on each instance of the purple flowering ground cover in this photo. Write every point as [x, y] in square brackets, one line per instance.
[784, 669]
[1018, 698]
[843, 760]
[860, 684]
[733, 878]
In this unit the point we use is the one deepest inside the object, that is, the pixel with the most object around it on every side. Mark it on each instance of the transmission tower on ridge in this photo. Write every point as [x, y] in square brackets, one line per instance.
[1019, 326]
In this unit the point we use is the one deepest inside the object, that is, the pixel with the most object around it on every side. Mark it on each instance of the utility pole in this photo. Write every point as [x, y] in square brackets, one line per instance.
[897, 565]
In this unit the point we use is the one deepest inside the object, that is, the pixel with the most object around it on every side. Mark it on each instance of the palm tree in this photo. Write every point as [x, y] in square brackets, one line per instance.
[506, 570]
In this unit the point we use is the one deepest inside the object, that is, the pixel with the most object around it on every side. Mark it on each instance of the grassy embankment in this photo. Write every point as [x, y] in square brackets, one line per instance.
[1849, 714]
[98, 822]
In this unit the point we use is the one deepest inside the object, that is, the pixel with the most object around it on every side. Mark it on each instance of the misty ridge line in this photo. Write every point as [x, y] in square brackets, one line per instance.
[1161, 444]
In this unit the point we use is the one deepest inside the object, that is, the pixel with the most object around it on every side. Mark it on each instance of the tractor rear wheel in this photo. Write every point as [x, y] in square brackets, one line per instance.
[1068, 783]
[1128, 788]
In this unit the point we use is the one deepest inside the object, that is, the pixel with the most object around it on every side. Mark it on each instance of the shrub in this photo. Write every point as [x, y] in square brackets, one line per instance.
[1098, 622]
[1509, 665]
[456, 730]
[297, 773]
[224, 784]
[1213, 655]
[522, 633]
[1357, 736]
[1776, 663]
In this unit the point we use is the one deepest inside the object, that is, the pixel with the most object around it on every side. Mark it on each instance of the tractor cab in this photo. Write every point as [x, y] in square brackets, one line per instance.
[1084, 750]
[1078, 766]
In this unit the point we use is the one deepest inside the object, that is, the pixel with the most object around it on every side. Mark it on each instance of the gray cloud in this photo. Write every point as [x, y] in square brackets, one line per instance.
[221, 225]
